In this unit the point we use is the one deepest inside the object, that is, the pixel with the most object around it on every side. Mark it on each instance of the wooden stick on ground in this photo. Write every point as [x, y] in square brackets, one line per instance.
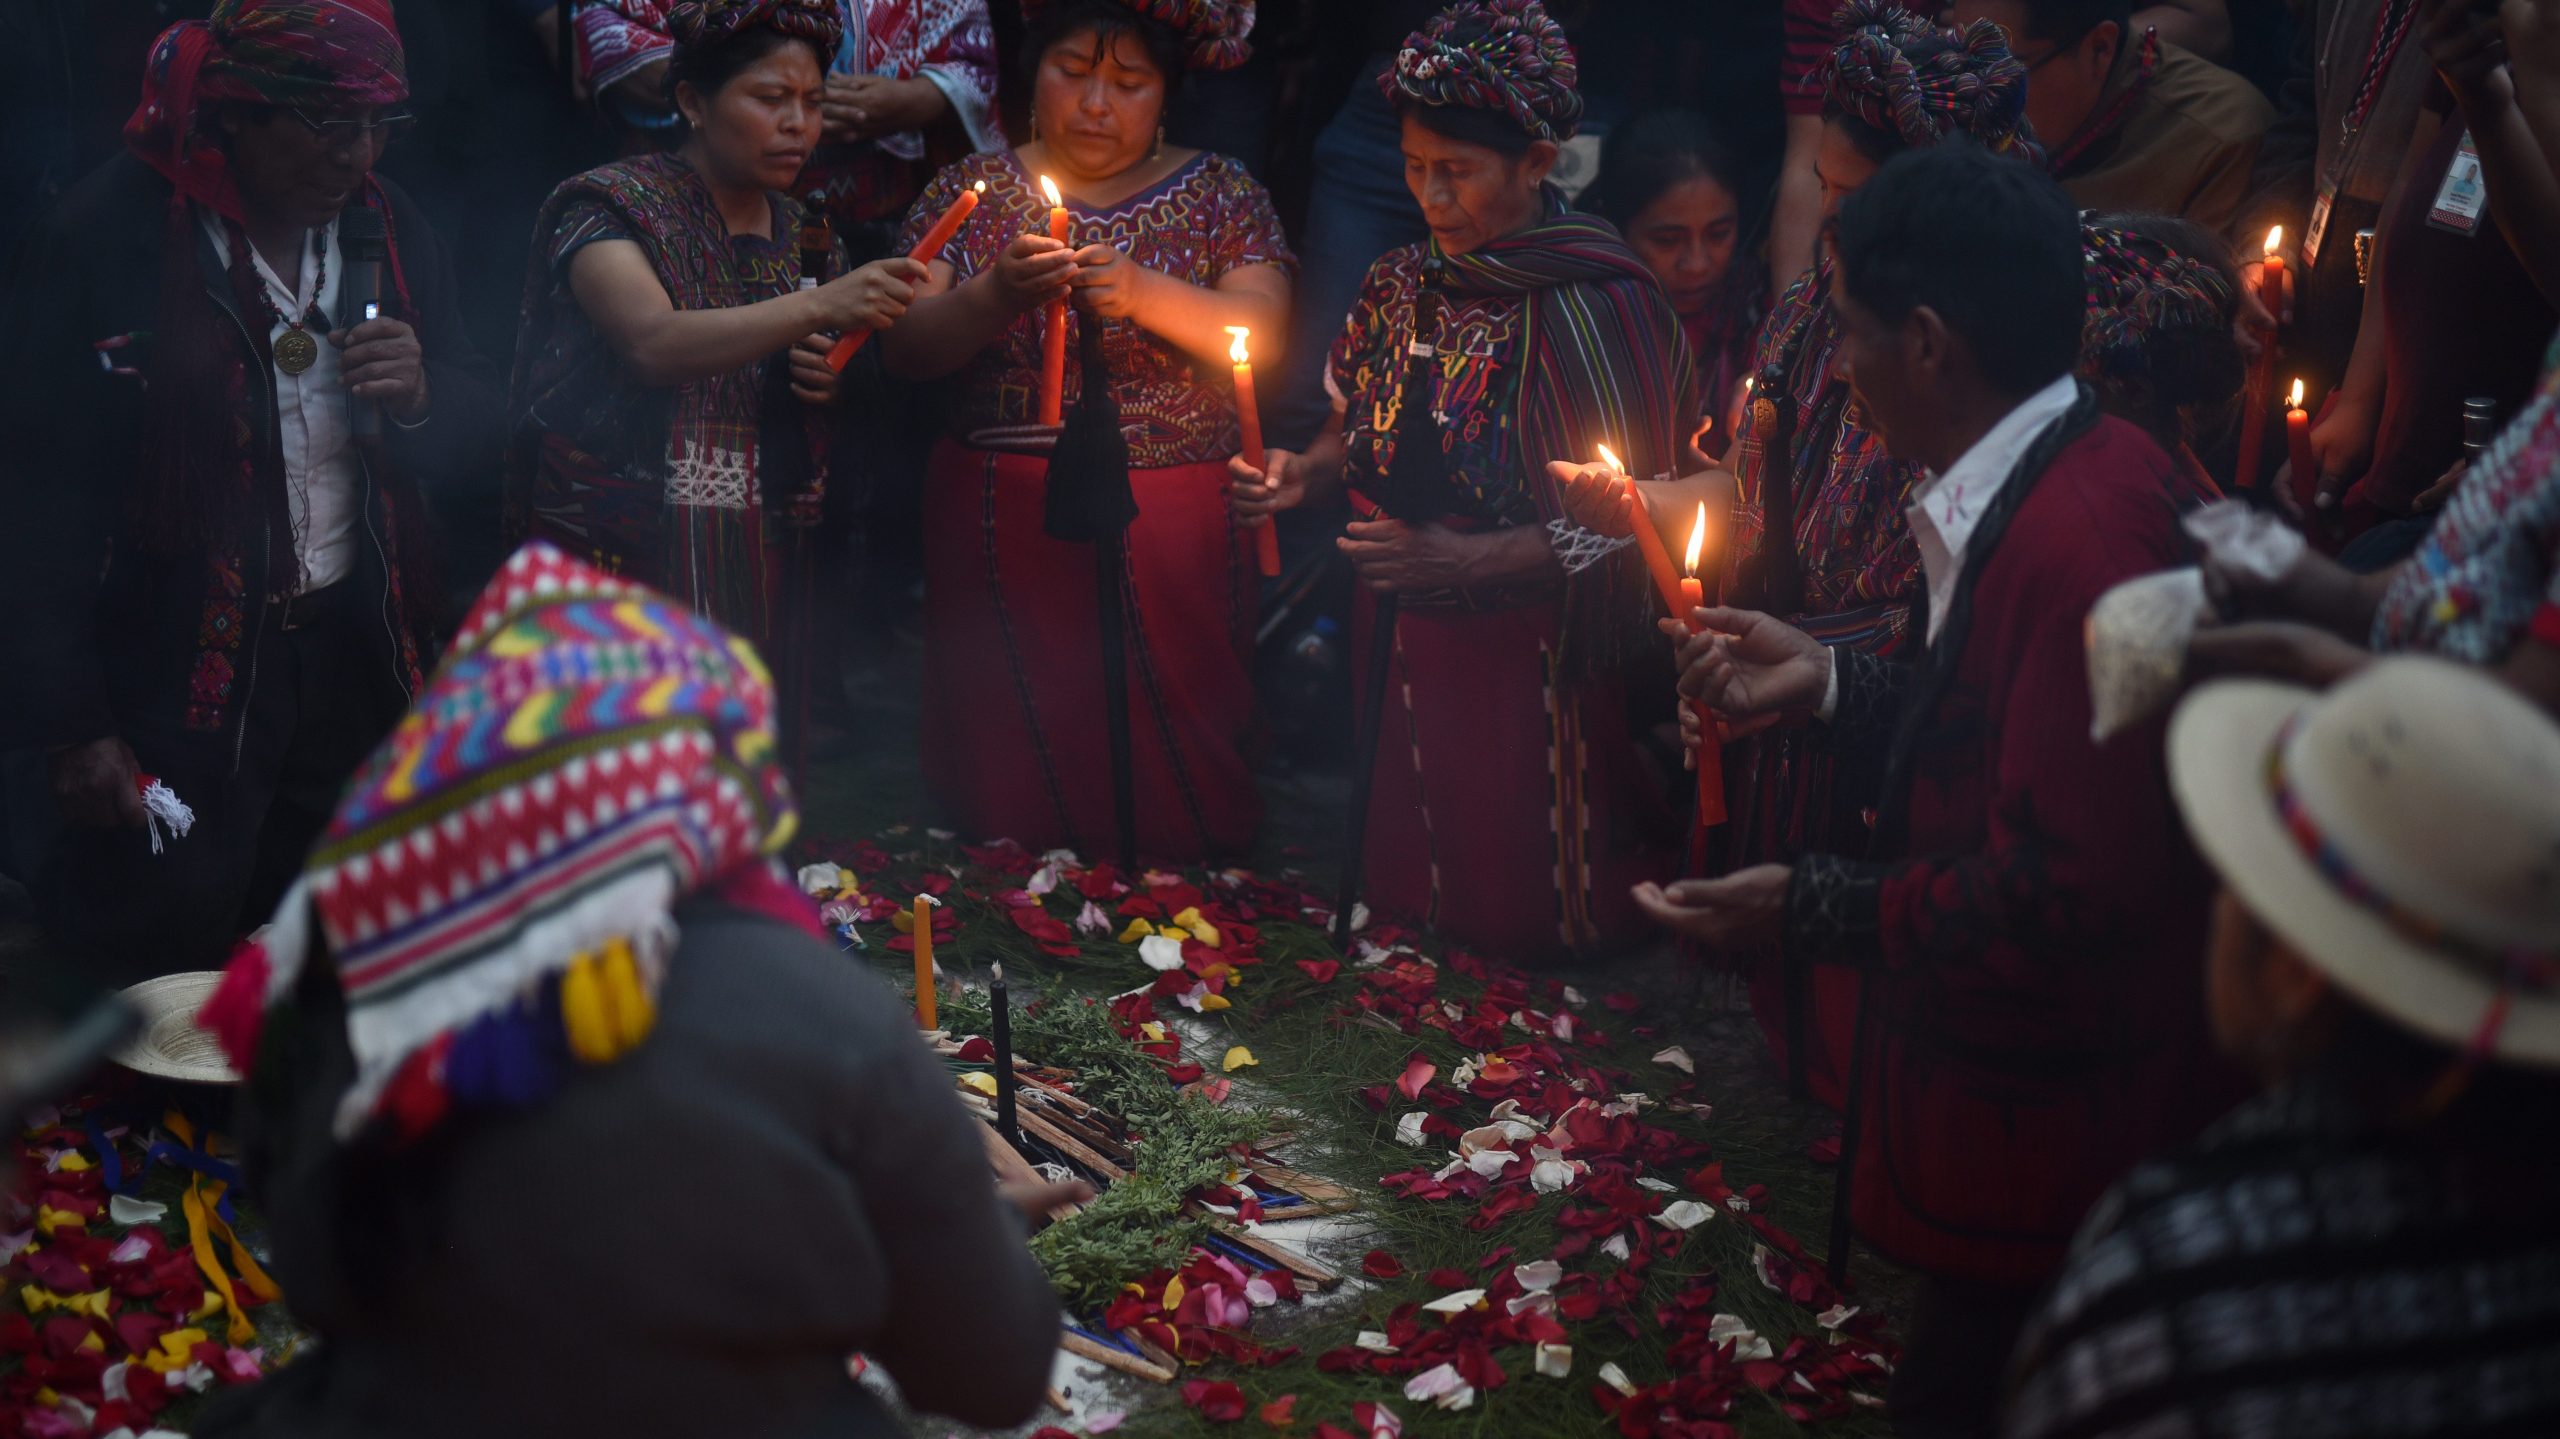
[1110, 1358]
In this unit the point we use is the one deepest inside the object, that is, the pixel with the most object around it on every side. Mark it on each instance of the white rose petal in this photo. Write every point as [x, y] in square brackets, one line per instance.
[1409, 1128]
[1163, 953]
[1836, 1315]
[1458, 1303]
[1574, 997]
[1374, 1342]
[1678, 1059]
[1491, 1162]
[1441, 1386]
[129, 1211]
[1616, 1378]
[1615, 1247]
[1685, 1214]
[1552, 1176]
[1555, 1361]
[1538, 1276]
[821, 880]
[1747, 1345]
[1659, 1186]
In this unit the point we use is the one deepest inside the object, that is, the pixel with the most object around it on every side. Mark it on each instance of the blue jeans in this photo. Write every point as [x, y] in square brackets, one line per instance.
[1358, 210]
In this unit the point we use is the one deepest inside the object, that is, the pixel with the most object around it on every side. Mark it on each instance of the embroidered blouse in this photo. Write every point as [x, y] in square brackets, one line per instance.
[1204, 221]
[2490, 569]
[1477, 342]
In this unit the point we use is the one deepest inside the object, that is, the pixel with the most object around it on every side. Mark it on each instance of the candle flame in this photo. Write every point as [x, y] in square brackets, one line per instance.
[2296, 401]
[1697, 539]
[1610, 458]
[1235, 347]
[1049, 188]
[2275, 240]
[980, 187]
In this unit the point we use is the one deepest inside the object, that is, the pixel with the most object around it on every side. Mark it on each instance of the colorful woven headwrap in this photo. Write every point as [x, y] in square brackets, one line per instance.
[701, 24]
[1506, 56]
[1214, 33]
[1971, 86]
[2139, 291]
[495, 888]
[314, 55]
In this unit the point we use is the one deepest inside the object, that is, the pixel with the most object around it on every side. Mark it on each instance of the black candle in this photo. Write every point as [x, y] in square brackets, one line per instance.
[1002, 1004]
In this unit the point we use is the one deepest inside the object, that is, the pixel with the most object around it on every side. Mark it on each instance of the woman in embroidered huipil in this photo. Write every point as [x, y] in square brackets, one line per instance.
[1820, 534]
[660, 430]
[1511, 808]
[1169, 247]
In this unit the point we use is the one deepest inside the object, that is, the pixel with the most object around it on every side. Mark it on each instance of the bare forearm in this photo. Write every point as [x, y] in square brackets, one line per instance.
[1673, 505]
[1196, 319]
[1513, 555]
[943, 332]
[674, 347]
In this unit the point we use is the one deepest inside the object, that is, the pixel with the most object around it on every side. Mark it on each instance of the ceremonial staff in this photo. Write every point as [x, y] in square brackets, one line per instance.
[1090, 502]
[1416, 475]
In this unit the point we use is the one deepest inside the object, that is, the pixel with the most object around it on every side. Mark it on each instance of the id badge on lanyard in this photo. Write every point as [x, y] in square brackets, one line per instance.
[2464, 194]
[2312, 234]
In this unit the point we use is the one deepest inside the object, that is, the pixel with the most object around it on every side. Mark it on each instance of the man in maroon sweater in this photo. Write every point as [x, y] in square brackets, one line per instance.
[2029, 916]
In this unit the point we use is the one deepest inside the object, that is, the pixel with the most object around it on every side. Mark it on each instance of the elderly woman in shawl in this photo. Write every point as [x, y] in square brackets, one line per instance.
[602, 1137]
[1511, 808]
[671, 392]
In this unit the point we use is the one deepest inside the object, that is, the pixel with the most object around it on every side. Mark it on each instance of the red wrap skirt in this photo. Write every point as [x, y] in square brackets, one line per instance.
[1015, 741]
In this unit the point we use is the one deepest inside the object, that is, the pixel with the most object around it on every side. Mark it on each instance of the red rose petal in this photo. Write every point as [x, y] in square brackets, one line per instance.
[1379, 1264]
[1280, 1413]
[1418, 1072]
[1219, 1402]
[1322, 971]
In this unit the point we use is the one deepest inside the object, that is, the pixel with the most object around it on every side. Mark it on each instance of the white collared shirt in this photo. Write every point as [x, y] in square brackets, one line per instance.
[321, 479]
[1946, 508]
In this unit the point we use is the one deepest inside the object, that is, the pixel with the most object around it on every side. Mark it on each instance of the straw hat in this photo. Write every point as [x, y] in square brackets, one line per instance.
[2401, 832]
[168, 1045]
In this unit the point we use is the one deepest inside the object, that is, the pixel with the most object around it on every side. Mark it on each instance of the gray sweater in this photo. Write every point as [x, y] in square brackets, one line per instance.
[690, 1241]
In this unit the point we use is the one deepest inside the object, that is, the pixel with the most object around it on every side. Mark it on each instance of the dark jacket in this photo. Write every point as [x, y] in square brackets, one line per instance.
[2033, 922]
[103, 639]
[689, 1241]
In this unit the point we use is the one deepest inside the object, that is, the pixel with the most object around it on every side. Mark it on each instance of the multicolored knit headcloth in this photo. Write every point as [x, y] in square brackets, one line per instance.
[317, 56]
[1214, 33]
[699, 25]
[2140, 290]
[1506, 56]
[1961, 83]
[495, 888]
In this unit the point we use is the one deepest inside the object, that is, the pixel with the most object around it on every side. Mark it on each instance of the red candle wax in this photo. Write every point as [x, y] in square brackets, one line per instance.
[2297, 441]
[1710, 757]
[1266, 536]
[1053, 342]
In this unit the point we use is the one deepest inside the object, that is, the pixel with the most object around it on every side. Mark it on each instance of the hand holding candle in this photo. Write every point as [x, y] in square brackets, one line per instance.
[1657, 560]
[927, 250]
[1266, 536]
[2297, 444]
[1053, 340]
[1710, 756]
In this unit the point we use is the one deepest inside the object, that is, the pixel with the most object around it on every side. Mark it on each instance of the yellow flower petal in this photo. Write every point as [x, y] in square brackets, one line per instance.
[1153, 1030]
[1238, 1058]
[74, 1162]
[981, 1082]
[1212, 1003]
[1138, 929]
[1173, 1292]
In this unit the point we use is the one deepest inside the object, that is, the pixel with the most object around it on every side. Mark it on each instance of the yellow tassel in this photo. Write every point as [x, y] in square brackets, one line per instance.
[634, 1014]
[582, 1009]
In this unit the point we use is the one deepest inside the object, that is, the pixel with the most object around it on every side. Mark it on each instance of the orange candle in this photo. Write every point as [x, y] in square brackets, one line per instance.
[2270, 286]
[1657, 560]
[927, 998]
[1693, 596]
[927, 250]
[1053, 343]
[1266, 536]
[2297, 444]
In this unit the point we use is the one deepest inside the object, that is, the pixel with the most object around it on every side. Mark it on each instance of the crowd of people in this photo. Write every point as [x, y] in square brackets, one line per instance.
[2197, 1064]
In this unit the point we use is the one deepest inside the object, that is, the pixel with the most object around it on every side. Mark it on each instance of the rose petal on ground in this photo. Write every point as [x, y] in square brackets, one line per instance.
[1616, 1378]
[1555, 1361]
[1219, 1401]
[1443, 1386]
[1458, 1303]
[128, 1211]
[1538, 1276]
[1678, 1059]
[1280, 1413]
[1685, 1214]
[1374, 1342]
[1238, 1058]
[1162, 955]
[1379, 1264]
[1552, 1176]
[1837, 1315]
[1409, 1128]
[1418, 1072]
[1616, 1247]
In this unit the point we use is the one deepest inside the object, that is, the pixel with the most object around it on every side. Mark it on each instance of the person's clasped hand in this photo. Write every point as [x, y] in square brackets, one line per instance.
[1594, 497]
[1107, 282]
[1742, 910]
[1033, 271]
[1393, 557]
[1258, 495]
[384, 362]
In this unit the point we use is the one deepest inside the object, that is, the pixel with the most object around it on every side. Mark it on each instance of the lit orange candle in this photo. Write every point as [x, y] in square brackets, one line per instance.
[927, 250]
[1710, 760]
[928, 1014]
[2255, 399]
[1053, 343]
[1648, 539]
[1266, 536]
[2297, 444]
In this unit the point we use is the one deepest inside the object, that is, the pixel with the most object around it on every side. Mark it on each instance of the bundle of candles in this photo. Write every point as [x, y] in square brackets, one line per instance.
[1682, 595]
[927, 250]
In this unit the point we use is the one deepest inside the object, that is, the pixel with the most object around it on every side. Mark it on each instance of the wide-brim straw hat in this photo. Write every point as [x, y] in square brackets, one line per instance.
[167, 1044]
[2401, 832]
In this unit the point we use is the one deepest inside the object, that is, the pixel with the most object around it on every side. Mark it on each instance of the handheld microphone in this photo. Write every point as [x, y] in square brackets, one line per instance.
[364, 242]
